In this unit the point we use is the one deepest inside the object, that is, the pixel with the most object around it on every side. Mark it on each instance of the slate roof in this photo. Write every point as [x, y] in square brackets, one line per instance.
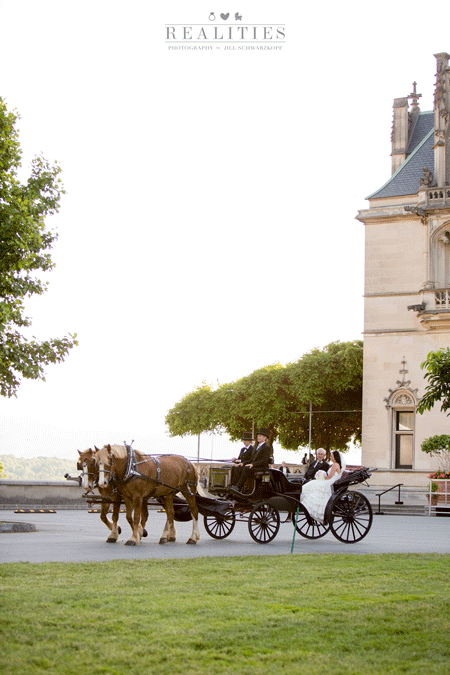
[420, 153]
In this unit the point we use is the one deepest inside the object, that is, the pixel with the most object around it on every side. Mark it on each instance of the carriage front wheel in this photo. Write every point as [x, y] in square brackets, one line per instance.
[263, 523]
[351, 517]
[220, 525]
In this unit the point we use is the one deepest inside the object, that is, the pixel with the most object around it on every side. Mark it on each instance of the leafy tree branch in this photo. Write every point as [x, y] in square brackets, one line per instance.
[25, 244]
[437, 365]
[277, 397]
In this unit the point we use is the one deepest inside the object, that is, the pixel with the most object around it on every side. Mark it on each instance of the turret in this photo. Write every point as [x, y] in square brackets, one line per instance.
[442, 120]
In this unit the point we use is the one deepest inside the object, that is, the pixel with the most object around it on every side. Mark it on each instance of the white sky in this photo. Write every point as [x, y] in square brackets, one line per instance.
[209, 223]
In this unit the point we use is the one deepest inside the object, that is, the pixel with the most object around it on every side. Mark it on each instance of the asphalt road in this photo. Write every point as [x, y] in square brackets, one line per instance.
[79, 536]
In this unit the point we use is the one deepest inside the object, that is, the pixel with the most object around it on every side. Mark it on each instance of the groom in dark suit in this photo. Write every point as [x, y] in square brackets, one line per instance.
[317, 464]
[260, 460]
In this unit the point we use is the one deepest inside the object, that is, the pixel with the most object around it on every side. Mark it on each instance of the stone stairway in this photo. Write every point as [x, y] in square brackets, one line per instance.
[410, 502]
[400, 509]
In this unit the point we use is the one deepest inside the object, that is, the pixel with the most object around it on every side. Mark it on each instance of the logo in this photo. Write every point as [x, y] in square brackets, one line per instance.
[225, 30]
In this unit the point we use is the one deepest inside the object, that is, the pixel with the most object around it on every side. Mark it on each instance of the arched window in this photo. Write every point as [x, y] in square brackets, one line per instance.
[403, 422]
[402, 405]
[440, 256]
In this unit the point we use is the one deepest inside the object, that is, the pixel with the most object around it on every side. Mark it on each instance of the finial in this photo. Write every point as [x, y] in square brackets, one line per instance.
[403, 370]
[415, 96]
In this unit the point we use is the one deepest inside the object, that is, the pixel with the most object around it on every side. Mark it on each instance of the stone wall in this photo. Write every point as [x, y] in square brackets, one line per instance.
[51, 493]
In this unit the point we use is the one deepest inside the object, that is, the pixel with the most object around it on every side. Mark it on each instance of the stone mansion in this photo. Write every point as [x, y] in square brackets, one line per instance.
[407, 287]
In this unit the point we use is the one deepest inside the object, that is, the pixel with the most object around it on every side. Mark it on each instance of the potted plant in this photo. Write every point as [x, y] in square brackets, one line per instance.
[438, 446]
[433, 498]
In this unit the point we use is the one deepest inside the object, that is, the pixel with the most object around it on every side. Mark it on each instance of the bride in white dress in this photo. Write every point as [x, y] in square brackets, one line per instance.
[316, 493]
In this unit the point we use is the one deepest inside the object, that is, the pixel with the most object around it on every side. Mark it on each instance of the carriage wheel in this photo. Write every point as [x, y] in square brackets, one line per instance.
[221, 525]
[263, 523]
[308, 530]
[351, 517]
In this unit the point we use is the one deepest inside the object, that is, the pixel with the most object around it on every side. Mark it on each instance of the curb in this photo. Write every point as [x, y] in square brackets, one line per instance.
[17, 527]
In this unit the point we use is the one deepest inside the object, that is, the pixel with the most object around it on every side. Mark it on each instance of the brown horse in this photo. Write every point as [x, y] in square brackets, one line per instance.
[89, 482]
[160, 478]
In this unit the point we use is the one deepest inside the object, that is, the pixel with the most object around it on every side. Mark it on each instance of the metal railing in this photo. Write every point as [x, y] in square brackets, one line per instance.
[380, 494]
[441, 498]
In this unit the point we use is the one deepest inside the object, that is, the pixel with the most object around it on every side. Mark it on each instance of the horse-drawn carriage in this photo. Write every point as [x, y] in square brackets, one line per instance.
[348, 513]
[122, 474]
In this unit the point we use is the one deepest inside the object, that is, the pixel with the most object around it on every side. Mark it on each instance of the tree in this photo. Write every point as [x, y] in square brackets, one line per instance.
[331, 380]
[193, 414]
[438, 446]
[37, 468]
[278, 397]
[25, 245]
[438, 376]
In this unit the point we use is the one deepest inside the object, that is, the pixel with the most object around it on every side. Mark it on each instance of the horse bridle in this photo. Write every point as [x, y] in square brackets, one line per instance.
[102, 471]
[85, 481]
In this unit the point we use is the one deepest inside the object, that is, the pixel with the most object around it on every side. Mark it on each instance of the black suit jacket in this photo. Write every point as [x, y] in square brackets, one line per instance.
[245, 455]
[261, 457]
[312, 468]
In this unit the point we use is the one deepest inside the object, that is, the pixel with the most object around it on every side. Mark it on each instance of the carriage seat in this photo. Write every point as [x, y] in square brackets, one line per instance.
[282, 484]
[263, 474]
[259, 477]
[349, 477]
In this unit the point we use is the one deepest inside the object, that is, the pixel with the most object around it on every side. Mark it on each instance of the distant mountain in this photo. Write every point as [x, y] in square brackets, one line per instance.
[37, 468]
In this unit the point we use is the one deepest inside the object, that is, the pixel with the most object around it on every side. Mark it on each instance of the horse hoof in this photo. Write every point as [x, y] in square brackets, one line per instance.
[144, 533]
[171, 539]
[111, 540]
[130, 542]
[163, 540]
[191, 541]
[119, 530]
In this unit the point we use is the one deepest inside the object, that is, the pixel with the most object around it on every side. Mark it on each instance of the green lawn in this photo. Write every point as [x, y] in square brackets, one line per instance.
[309, 614]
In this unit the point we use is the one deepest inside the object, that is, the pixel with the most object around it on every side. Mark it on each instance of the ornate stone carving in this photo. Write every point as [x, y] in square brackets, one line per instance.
[440, 88]
[445, 237]
[400, 102]
[419, 211]
[399, 396]
[403, 399]
[427, 179]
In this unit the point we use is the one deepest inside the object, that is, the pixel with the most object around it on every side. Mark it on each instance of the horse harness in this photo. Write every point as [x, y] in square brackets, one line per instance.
[132, 472]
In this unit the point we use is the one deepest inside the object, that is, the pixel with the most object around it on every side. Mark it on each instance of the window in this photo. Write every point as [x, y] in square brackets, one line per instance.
[402, 406]
[440, 258]
[404, 438]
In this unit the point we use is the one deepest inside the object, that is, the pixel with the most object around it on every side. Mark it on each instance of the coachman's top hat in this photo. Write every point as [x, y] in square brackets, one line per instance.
[247, 436]
[264, 432]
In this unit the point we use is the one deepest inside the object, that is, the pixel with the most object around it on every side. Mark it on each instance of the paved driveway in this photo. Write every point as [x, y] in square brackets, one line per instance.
[79, 536]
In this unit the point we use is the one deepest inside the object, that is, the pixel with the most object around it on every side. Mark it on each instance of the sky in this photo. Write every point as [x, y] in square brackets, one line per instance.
[208, 226]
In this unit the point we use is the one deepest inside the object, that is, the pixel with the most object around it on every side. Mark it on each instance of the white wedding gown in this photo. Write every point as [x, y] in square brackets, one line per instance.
[316, 493]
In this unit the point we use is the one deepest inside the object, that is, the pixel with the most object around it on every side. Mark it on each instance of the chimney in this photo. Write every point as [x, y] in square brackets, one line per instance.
[400, 135]
[441, 121]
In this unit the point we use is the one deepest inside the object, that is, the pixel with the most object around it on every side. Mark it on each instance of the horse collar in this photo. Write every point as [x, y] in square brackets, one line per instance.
[131, 470]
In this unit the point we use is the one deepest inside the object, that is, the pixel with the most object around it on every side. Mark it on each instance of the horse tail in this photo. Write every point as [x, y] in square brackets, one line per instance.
[193, 477]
